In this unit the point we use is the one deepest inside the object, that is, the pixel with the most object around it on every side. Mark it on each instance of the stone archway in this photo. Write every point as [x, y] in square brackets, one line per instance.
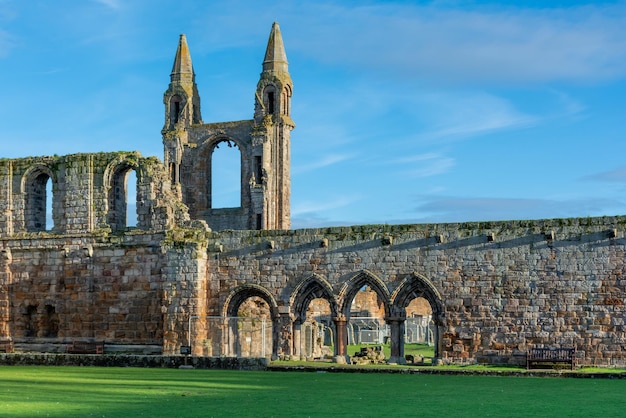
[348, 292]
[412, 287]
[312, 288]
[236, 298]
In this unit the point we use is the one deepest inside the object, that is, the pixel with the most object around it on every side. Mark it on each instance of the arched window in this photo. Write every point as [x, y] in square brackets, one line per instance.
[286, 101]
[176, 106]
[225, 175]
[39, 197]
[270, 100]
[122, 199]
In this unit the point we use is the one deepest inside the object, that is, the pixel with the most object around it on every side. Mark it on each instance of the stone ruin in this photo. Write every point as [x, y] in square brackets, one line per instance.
[72, 269]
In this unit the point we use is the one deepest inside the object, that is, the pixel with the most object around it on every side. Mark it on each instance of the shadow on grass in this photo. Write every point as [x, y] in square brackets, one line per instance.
[112, 392]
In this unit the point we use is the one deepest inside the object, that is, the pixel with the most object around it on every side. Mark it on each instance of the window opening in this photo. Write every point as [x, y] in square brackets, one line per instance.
[270, 102]
[131, 199]
[123, 199]
[226, 175]
[49, 218]
[175, 109]
[30, 321]
[50, 324]
[39, 199]
[258, 169]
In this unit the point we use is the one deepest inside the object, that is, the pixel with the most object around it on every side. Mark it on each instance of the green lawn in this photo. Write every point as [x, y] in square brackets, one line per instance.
[124, 392]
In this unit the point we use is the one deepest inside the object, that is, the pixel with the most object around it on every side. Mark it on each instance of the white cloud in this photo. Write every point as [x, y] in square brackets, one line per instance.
[461, 209]
[321, 163]
[460, 115]
[424, 165]
[6, 43]
[618, 175]
[303, 208]
[471, 45]
[112, 4]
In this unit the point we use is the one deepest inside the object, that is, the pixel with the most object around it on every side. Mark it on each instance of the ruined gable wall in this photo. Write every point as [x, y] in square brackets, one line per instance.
[196, 173]
[499, 296]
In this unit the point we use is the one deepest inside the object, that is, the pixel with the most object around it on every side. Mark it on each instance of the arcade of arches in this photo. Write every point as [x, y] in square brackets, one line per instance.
[314, 300]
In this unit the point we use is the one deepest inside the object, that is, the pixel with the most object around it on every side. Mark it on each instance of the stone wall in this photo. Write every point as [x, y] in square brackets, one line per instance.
[92, 289]
[495, 288]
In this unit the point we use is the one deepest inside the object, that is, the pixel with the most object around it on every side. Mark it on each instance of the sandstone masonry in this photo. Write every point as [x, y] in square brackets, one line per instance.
[174, 279]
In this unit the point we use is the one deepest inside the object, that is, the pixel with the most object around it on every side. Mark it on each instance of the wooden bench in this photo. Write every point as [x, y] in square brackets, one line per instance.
[7, 347]
[85, 347]
[551, 356]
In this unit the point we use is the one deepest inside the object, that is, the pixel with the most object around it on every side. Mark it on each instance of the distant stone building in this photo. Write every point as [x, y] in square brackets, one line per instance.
[238, 282]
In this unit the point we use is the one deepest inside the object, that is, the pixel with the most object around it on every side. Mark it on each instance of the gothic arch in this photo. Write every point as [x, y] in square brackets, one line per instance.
[313, 287]
[352, 286]
[239, 294]
[175, 106]
[415, 286]
[33, 188]
[207, 149]
[270, 99]
[115, 180]
[286, 101]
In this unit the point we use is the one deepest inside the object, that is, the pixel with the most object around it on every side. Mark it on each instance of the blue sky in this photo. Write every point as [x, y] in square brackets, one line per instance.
[406, 111]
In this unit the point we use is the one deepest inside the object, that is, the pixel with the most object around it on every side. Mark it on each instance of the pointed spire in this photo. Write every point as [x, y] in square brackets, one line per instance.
[275, 57]
[182, 69]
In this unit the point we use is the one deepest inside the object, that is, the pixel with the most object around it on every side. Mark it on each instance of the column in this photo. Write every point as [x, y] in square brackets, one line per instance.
[396, 325]
[5, 305]
[341, 340]
[285, 336]
[297, 342]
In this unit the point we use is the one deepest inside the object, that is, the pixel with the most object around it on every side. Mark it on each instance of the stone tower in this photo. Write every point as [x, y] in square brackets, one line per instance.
[263, 142]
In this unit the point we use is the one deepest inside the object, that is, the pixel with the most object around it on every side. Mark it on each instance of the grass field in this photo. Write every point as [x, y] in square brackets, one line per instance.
[31, 391]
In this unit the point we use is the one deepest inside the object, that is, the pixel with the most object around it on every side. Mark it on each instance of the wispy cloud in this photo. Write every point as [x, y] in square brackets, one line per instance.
[466, 114]
[6, 43]
[459, 209]
[325, 161]
[112, 4]
[423, 165]
[480, 44]
[618, 175]
[311, 207]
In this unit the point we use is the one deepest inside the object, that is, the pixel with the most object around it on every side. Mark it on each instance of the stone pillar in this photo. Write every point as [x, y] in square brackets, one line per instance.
[341, 340]
[183, 292]
[396, 325]
[285, 334]
[5, 305]
[297, 341]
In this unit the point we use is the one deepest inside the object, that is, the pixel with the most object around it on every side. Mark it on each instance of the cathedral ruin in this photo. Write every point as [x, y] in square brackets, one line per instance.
[72, 269]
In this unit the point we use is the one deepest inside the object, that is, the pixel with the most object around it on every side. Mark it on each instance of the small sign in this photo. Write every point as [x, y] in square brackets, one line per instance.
[185, 350]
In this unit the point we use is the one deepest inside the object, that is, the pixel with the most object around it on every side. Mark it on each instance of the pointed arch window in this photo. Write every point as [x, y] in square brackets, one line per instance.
[122, 199]
[225, 175]
[38, 213]
[176, 107]
[286, 101]
[270, 100]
